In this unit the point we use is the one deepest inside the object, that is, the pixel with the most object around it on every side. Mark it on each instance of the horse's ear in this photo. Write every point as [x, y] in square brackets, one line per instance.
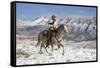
[63, 24]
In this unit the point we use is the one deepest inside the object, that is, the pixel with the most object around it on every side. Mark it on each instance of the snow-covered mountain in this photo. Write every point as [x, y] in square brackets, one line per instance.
[37, 21]
[80, 27]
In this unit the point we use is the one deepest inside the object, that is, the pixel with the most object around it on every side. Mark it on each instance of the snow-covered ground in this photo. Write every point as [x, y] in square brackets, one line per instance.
[27, 53]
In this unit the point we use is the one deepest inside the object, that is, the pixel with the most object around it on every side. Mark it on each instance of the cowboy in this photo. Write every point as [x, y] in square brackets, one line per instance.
[52, 24]
[52, 29]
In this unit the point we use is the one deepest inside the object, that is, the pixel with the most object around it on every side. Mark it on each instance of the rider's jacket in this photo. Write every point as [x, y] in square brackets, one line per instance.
[52, 24]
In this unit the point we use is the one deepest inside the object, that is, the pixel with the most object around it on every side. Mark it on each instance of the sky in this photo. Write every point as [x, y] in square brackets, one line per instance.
[30, 11]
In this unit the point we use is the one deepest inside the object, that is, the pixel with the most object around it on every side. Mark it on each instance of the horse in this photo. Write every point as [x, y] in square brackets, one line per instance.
[57, 38]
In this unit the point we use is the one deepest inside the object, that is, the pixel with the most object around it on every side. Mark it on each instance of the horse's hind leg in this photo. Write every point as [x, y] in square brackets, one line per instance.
[52, 45]
[42, 45]
[40, 49]
[47, 44]
[45, 49]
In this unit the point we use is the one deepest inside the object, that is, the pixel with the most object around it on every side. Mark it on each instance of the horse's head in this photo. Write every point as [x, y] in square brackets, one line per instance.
[65, 28]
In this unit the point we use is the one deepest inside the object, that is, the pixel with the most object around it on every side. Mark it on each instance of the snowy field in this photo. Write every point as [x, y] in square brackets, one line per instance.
[27, 53]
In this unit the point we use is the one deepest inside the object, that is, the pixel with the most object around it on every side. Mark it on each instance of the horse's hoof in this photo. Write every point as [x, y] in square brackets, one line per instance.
[40, 52]
[50, 54]
[58, 47]
[55, 48]
[62, 53]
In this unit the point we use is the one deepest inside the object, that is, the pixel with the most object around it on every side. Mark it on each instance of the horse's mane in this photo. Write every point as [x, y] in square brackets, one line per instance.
[60, 26]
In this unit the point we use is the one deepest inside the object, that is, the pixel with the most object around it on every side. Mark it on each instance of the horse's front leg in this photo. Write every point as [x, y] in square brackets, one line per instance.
[63, 50]
[59, 44]
[62, 47]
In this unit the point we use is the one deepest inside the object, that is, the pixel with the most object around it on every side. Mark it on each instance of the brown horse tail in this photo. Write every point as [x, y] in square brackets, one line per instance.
[38, 42]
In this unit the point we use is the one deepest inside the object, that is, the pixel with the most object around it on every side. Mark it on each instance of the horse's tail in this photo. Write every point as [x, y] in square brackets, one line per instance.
[39, 40]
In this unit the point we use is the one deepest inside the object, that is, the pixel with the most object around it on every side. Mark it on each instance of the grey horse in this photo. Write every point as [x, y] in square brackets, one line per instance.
[57, 38]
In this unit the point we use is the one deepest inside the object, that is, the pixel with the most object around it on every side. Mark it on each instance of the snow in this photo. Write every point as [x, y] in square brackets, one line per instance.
[28, 53]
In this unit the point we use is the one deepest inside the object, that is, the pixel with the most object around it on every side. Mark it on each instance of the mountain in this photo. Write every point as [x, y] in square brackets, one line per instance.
[80, 27]
[37, 21]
